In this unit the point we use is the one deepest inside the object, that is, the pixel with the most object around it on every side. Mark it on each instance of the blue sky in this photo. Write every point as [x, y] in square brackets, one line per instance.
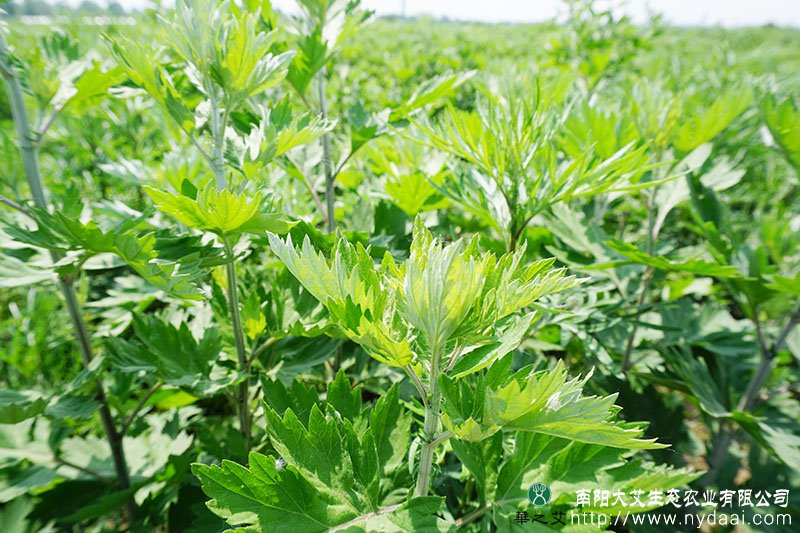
[681, 12]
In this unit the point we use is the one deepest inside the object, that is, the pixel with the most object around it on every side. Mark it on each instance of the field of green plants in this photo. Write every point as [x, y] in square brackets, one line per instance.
[329, 272]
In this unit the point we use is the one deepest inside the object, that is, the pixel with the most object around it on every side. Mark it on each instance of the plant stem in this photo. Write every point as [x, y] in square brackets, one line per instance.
[640, 303]
[14, 205]
[20, 116]
[431, 425]
[218, 125]
[423, 393]
[218, 135]
[748, 399]
[113, 436]
[85, 470]
[139, 406]
[767, 355]
[242, 396]
[646, 278]
[480, 511]
[327, 162]
[30, 163]
[261, 348]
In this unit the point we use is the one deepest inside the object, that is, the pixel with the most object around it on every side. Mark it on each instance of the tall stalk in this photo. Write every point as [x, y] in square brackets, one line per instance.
[748, 399]
[242, 399]
[28, 153]
[219, 120]
[327, 161]
[647, 277]
[431, 425]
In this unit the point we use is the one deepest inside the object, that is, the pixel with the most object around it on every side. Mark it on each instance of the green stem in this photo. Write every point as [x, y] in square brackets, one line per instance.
[139, 406]
[748, 399]
[242, 396]
[327, 163]
[30, 163]
[218, 125]
[431, 426]
[767, 356]
[646, 278]
[218, 134]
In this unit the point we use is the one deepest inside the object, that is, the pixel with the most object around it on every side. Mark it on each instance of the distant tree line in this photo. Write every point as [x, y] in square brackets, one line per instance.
[18, 8]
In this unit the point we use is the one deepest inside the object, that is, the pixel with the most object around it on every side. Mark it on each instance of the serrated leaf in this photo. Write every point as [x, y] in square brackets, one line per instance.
[545, 402]
[172, 355]
[222, 212]
[328, 476]
[16, 406]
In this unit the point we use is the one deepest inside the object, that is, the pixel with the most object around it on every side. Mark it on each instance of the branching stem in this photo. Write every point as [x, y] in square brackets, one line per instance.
[748, 399]
[139, 406]
[28, 153]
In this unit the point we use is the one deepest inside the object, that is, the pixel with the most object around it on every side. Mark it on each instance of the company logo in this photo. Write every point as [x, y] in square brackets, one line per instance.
[539, 494]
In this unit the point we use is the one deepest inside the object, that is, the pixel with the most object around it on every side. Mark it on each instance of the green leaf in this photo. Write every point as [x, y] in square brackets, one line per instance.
[264, 498]
[72, 407]
[16, 273]
[545, 402]
[701, 123]
[16, 406]
[362, 128]
[391, 428]
[483, 356]
[91, 84]
[310, 58]
[329, 476]
[693, 266]
[350, 288]
[694, 372]
[567, 467]
[172, 355]
[779, 438]
[443, 293]
[517, 171]
[783, 120]
[347, 402]
[430, 91]
[63, 231]
[222, 212]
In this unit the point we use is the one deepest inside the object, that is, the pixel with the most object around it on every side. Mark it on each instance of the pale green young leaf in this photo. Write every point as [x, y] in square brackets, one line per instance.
[483, 356]
[441, 284]
[430, 91]
[443, 294]
[702, 122]
[783, 121]
[351, 289]
[222, 212]
[518, 171]
[247, 64]
[547, 403]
